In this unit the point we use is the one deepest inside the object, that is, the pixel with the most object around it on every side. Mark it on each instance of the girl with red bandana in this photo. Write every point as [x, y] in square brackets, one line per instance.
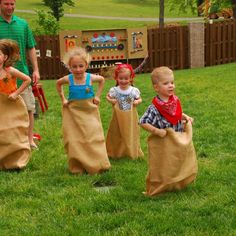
[123, 133]
[172, 160]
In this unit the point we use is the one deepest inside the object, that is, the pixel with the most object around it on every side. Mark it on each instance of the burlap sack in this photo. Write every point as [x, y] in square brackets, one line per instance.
[172, 161]
[14, 142]
[84, 138]
[123, 136]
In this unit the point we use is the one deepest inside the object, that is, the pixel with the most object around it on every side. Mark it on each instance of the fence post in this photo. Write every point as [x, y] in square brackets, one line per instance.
[196, 45]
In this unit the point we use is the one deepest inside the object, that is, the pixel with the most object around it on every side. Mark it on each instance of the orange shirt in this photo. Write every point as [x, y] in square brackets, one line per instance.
[8, 84]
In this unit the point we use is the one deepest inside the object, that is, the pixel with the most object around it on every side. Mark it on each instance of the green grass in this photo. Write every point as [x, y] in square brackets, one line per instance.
[128, 8]
[45, 199]
[124, 8]
[68, 23]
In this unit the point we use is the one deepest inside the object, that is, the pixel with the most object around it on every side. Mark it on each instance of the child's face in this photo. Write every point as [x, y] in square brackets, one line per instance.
[124, 79]
[77, 66]
[3, 58]
[165, 87]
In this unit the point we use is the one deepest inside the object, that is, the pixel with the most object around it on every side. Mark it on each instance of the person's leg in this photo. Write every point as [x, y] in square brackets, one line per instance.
[29, 100]
[31, 129]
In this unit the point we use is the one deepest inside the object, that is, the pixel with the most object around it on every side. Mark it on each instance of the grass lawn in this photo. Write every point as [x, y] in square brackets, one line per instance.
[45, 199]
[115, 8]
[128, 8]
[69, 23]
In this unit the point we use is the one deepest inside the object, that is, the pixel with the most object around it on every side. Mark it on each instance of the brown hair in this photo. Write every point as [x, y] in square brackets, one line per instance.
[11, 49]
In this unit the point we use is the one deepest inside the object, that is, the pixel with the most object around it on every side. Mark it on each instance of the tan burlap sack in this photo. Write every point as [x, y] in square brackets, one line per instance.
[84, 138]
[14, 143]
[172, 161]
[123, 136]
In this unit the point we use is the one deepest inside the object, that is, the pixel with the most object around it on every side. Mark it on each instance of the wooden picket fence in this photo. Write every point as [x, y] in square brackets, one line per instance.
[168, 46]
[220, 43]
[50, 66]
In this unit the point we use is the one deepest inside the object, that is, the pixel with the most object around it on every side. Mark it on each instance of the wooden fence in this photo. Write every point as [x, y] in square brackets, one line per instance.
[220, 42]
[50, 66]
[168, 46]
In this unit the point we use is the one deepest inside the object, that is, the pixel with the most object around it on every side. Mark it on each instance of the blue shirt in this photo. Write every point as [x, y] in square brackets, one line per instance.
[80, 91]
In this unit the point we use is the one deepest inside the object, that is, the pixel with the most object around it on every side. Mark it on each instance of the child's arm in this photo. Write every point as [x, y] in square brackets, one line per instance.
[137, 97]
[19, 75]
[113, 101]
[101, 81]
[137, 101]
[59, 85]
[187, 118]
[153, 130]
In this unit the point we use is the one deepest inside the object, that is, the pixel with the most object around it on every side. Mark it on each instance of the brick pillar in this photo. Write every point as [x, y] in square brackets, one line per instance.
[196, 45]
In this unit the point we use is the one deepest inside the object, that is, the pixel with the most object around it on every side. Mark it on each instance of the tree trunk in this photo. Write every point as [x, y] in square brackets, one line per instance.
[199, 2]
[234, 8]
[161, 13]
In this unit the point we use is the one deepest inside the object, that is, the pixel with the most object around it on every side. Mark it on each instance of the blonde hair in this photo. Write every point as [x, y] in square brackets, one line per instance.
[160, 72]
[76, 51]
[10, 49]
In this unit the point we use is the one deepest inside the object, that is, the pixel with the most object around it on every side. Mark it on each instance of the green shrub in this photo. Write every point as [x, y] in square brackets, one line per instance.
[45, 24]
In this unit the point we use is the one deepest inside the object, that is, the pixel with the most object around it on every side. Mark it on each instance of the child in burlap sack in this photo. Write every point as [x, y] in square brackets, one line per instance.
[83, 135]
[14, 122]
[172, 160]
[123, 137]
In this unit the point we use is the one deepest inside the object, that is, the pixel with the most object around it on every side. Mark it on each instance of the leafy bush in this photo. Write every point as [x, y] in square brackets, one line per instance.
[46, 24]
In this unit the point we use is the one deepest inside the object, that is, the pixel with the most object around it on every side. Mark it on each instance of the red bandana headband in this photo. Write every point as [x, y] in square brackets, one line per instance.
[122, 66]
[171, 109]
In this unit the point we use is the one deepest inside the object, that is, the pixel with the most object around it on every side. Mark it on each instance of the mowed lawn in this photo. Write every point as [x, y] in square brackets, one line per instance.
[45, 199]
[118, 8]
[110, 8]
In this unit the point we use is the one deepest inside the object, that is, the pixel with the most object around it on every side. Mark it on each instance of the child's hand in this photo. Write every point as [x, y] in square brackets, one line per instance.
[160, 132]
[153, 130]
[110, 99]
[65, 103]
[13, 96]
[96, 100]
[113, 101]
[188, 119]
[136, 102]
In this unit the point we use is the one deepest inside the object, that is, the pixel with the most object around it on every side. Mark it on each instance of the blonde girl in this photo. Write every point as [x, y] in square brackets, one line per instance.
[82, 129]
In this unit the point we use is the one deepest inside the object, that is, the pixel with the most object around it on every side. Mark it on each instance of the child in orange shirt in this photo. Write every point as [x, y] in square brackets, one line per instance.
[14, 121]
[9, 54]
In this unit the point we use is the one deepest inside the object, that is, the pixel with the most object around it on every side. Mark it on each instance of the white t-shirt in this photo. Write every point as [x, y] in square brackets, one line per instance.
[124, 97]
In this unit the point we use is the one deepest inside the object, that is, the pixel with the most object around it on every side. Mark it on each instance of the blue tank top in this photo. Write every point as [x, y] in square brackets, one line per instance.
[83, 91]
